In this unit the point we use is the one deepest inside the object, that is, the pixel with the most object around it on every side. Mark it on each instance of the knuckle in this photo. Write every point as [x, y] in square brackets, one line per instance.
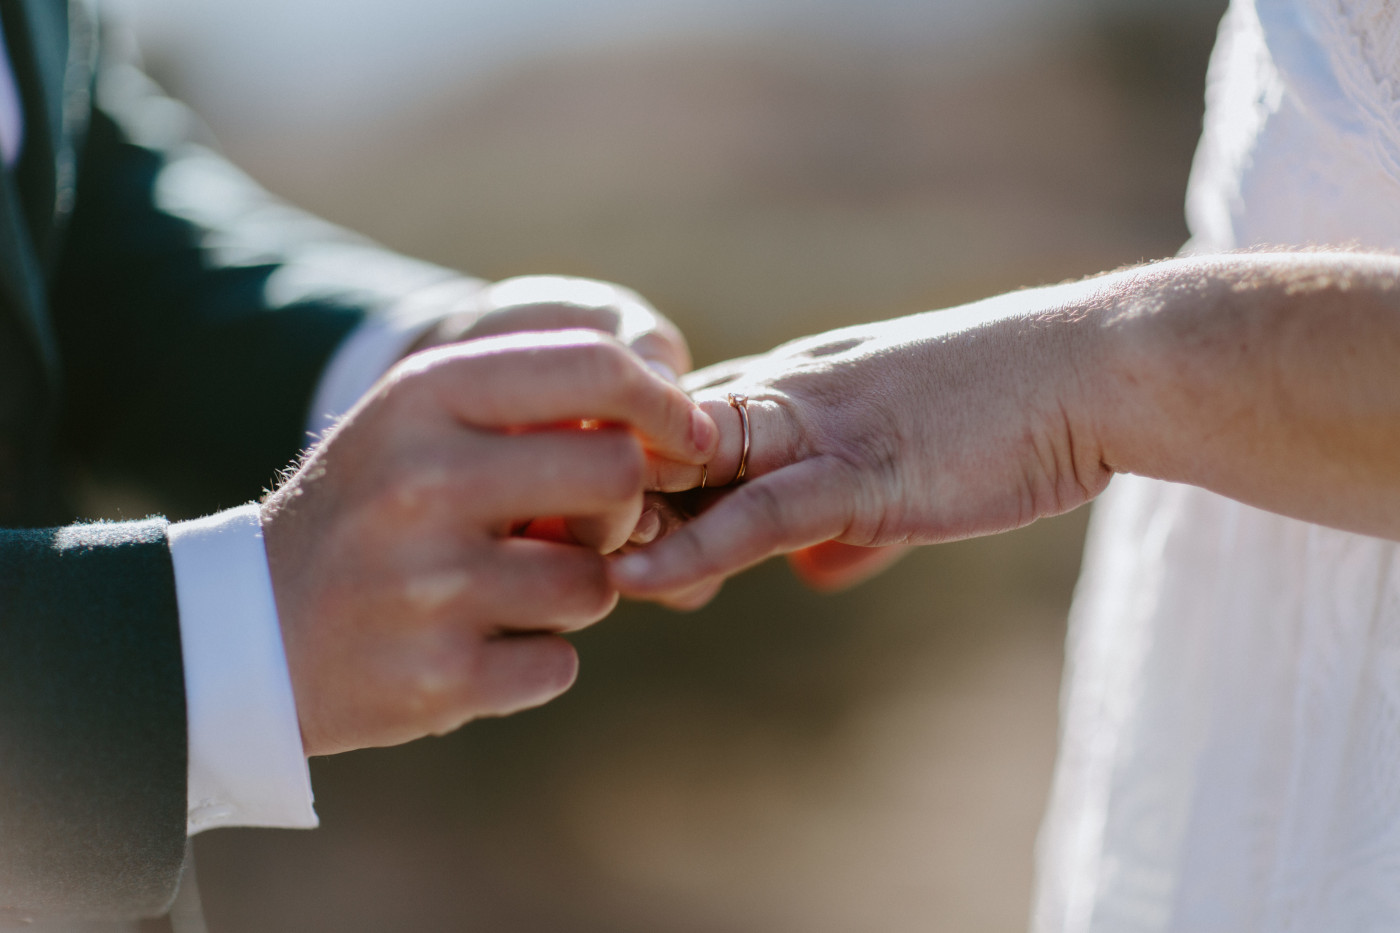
[564, 314]
[439, 692]
[600, 317]
[659, 345]
[410, 388]
[603, 362]
[421, 482]
[414, 486]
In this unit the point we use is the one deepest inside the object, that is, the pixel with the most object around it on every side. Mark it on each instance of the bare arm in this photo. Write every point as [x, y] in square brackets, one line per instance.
[1270, 378]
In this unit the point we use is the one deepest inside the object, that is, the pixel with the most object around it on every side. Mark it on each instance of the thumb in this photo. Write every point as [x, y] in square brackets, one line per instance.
[790, 508]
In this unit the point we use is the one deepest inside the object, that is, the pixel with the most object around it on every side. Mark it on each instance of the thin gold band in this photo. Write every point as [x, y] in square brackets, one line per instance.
[740, 403]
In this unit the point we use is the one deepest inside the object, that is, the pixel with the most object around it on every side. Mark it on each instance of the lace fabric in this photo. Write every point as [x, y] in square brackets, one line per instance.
[1230, 748]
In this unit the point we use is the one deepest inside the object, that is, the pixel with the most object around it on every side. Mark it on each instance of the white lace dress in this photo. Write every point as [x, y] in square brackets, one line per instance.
[1230, 756]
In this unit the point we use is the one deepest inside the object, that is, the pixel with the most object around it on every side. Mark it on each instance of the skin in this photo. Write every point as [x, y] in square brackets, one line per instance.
[1268, 378]
[412, 593]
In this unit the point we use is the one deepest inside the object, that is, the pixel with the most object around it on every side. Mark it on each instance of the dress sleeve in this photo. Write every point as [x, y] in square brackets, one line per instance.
[92, 722]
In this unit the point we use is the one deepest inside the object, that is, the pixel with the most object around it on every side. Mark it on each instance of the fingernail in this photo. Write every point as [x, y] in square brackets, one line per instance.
[648, 527]
[664, 371]
[703, 433]
[633, 568]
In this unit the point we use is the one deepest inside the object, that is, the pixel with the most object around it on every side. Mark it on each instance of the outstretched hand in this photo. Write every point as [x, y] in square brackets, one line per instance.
[1263, 377]
[929, 428]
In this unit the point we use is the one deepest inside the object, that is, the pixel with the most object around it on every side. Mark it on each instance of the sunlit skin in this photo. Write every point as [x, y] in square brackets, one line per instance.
[429, 554]
[1268, 378]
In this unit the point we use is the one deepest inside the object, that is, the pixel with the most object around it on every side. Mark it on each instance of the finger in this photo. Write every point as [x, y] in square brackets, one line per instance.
[832, 566]
[604, 532]
[717, 375]
[661, 515]
[775, 441]
[515, 672]
[497, 478]
[550, 528]
[517, 585]
[691, 598]
[547, 302]
[554, 302]
[609, 530]
[650, 523]
[651, 335]
[670, 515]
[804, 504]
[561, 376]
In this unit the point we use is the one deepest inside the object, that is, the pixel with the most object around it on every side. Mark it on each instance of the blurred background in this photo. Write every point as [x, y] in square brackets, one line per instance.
[761, 169]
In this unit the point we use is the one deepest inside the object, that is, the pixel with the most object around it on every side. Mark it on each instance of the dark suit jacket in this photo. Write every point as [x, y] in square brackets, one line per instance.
[161, 320]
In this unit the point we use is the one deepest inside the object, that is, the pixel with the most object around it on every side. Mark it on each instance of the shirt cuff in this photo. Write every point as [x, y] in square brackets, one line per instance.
[246, 767]
[377, 344]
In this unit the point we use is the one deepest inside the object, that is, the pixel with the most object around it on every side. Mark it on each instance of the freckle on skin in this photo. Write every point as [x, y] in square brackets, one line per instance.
[433, 591]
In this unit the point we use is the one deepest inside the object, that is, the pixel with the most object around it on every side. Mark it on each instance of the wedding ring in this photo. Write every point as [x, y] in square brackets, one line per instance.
[740, 403]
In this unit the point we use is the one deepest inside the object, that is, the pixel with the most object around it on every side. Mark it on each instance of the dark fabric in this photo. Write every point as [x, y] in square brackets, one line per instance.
[230, 300]
[20, 387]
[91, 694]
[163, 322]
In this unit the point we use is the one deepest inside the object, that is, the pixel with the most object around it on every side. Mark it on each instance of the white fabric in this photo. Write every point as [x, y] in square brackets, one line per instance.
[1230, 749]
[377, 344]
[246, 765]
[246, 762]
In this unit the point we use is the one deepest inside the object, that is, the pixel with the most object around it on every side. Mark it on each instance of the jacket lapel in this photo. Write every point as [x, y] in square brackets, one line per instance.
[21, 279]
[52, 49]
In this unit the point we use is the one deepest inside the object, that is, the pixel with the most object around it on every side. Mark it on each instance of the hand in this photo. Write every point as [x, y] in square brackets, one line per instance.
[917, 430]
[1267, 378]
[557, 302]
[407, 606]
[542, 303]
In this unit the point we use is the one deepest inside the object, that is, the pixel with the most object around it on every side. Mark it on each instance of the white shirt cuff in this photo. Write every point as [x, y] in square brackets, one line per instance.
[247, 767]
[377, 344]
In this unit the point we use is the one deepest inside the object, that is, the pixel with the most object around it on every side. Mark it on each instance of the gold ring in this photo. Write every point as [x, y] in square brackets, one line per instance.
[740, 403]
[704, 474]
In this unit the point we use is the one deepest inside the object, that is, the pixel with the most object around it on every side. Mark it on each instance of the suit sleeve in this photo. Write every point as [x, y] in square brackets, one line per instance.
[92, 718]
[193, 315]
[195, 312]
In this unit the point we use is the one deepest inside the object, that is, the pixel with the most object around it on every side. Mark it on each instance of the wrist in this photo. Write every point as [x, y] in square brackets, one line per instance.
[1149, 369]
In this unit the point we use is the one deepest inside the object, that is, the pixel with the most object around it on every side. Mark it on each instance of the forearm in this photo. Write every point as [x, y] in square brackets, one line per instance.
[1269, 378]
